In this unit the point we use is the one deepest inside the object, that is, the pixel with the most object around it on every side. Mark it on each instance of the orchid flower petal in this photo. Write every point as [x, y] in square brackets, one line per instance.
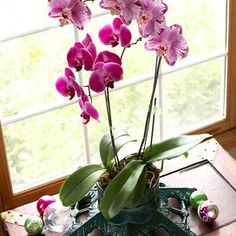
[87, 59]
[106, 56]
[88, 43]
[74, 10]
[116, 23]
[106, 35]
[63, 88]
[72, 60]
[128, 10]
[96, 82]
[69, 73]
[125, 36]
[88, 110]
[56, 7]
[115, 33]
[80, 15]
[151, 20]
[86, 117]
[67, 86]
[79, 55]
[113, 70]
[91, 110]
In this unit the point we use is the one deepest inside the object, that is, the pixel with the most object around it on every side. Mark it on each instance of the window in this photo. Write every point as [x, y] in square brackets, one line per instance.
[42, 139]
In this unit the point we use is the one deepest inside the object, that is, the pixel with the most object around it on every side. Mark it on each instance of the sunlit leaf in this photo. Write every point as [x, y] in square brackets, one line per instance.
[79, 183]
[106, 148]
[138, 192]
[173, 147]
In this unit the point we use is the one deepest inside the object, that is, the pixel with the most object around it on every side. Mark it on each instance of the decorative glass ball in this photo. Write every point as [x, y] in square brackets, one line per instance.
[208, 211]
[196, 198]
[57, 218]
[33, 225]
[43, 202]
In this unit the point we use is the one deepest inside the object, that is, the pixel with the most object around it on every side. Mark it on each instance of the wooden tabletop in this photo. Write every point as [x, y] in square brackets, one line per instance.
[217, 178]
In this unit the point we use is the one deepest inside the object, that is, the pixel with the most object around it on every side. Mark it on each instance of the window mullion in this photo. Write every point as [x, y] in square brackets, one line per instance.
[85, 129]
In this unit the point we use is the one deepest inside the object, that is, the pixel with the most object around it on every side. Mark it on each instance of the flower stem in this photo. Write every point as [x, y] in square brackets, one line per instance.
[148, 117]
[153, 120]
[108, 106]
[123, 51]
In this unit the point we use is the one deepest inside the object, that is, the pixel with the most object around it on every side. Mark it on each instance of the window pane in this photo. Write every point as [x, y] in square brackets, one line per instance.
[44, 146]
[29, 68]
[22, 16]
[192, 97]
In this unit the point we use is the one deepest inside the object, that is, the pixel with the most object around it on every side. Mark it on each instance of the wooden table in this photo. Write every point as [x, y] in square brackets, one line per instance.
[217, 178]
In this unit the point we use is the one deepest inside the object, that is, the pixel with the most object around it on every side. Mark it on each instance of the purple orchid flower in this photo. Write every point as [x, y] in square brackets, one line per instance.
[169, 43]
[152, 19]
[112, 34]
[128, 10]
[88, 110]
[107, 70]
[75, 11]
[82, 54]
[67, 86]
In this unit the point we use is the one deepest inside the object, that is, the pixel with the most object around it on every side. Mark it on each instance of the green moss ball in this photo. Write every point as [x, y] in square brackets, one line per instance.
[33, 225]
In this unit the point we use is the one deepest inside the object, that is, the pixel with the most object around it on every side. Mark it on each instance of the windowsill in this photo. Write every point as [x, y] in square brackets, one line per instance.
[227, 139]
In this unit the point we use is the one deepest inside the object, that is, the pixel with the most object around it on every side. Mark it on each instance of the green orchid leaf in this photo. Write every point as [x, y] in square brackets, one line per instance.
[119, 190]
[138, 192]
[77, 185]
[106, 149]
[173, 147]
[185, 154]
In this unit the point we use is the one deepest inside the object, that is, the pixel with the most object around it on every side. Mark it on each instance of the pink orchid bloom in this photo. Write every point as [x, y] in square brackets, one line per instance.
[112, 34]
[169, 43]
[75, 11]
[88, 110]
[82, 54]
[107, 70]
[67, 86]
[152, 19]
[128, 10]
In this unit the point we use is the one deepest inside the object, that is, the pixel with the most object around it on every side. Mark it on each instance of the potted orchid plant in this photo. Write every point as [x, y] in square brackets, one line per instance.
[124, 181]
